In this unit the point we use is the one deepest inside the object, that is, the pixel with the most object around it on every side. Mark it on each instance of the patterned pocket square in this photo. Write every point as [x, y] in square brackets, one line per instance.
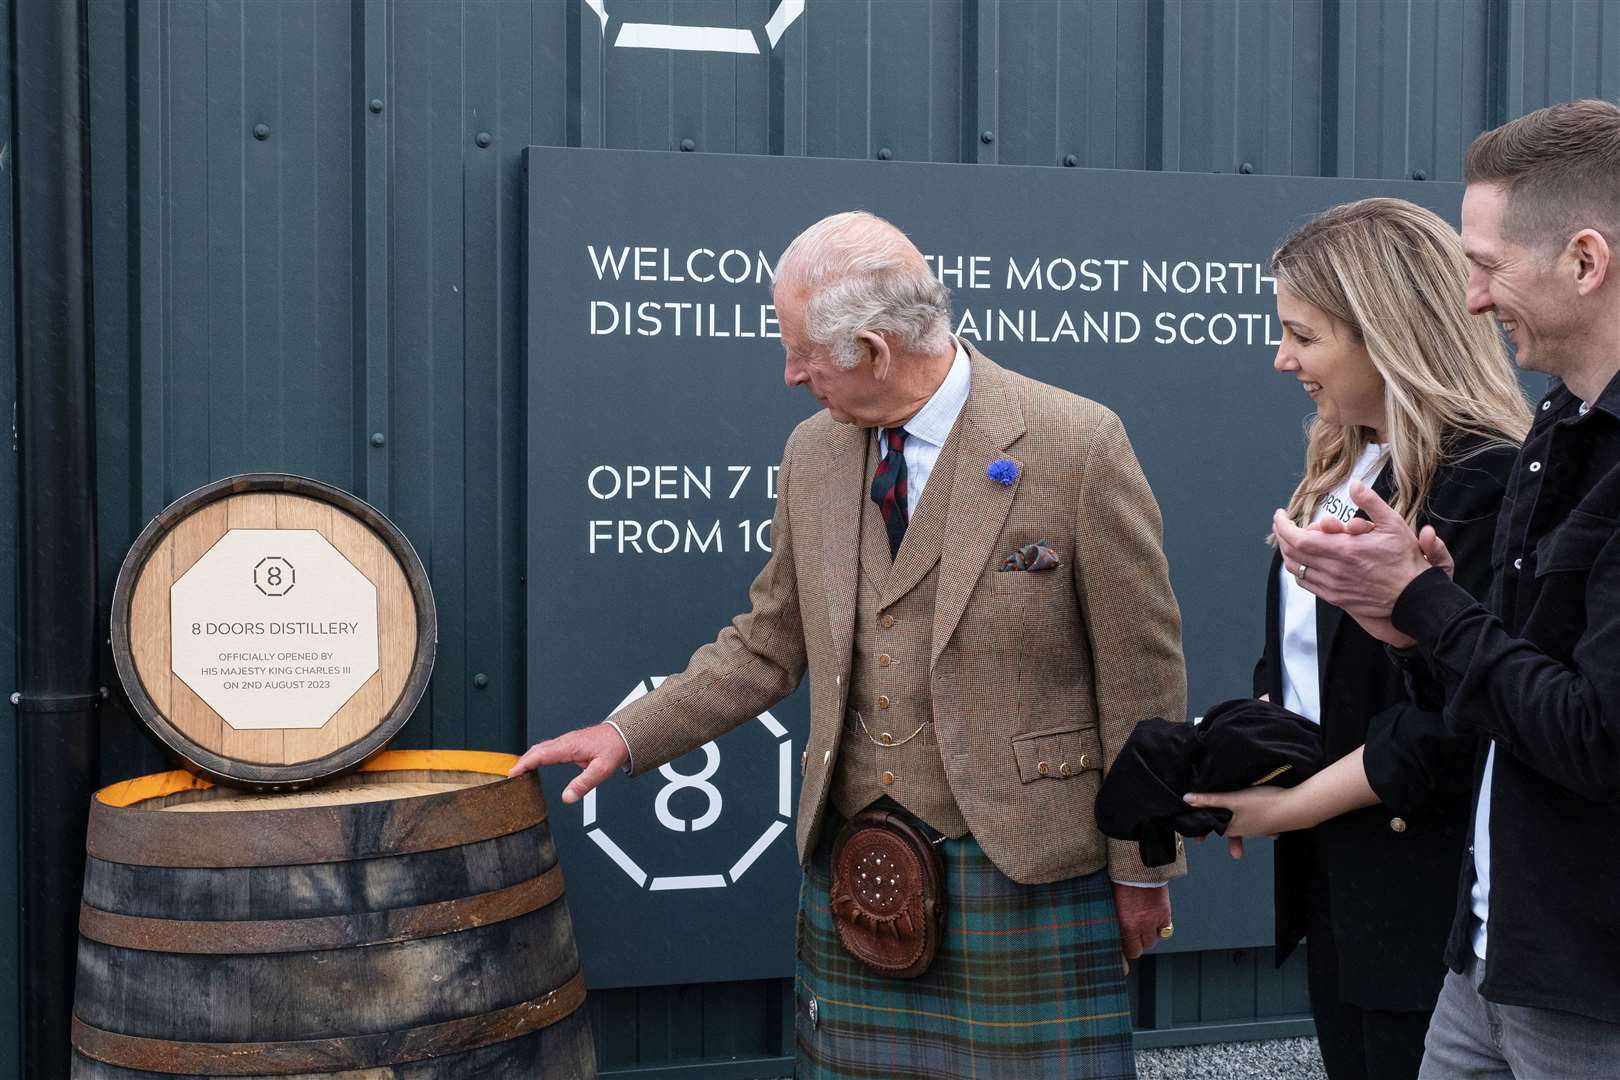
[1035, 558]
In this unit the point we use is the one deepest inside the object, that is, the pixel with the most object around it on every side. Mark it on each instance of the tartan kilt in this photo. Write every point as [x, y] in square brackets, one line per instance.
[1026, 983]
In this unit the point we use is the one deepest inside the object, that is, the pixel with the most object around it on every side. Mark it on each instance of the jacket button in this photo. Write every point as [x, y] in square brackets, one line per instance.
[885, 660]
[1085, 761]
[883, 701]
[886, 739]
[887, 621]
[1397, 824]
[1043, 768]
[1063, 769]
[888, 778]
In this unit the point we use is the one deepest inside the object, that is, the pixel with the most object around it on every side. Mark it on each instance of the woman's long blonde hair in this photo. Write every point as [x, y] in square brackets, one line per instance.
[1395, 275]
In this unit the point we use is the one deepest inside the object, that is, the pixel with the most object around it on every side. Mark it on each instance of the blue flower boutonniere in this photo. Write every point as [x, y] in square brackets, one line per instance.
[1003, 471]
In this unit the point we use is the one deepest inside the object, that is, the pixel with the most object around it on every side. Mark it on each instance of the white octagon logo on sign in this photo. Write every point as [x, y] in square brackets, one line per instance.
[721, 39]
[720, 876]
[273, 628]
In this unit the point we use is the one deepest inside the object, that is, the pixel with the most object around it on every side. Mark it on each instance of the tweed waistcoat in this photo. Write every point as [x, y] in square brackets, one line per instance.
[889, 670]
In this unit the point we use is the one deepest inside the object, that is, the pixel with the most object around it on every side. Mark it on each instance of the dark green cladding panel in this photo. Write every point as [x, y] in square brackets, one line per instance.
[343, 296]
[10, 981]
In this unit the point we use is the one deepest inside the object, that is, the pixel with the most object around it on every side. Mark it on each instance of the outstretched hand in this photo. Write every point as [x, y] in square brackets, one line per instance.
[599, 751]
[1257, 811]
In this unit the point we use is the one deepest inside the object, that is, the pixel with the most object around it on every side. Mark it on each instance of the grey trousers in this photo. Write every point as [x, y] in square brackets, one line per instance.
[1474, 1039]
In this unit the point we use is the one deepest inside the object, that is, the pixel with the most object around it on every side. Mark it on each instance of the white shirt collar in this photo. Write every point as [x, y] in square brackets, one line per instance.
[934, 421]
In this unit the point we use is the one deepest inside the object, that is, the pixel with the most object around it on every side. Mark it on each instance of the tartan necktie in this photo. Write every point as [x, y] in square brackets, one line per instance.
[889, 487]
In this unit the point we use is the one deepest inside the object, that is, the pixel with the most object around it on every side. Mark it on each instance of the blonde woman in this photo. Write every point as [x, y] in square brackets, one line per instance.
[1418, 399]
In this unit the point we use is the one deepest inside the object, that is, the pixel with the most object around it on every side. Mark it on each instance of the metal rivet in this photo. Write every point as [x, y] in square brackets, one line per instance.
[884, 153]
[377, 438]
[375, 104]
[1535, 466]
[261, 131]
[484, 138]
[687, 145]
[1071, 160]
[480, 680]
[1245, 168]
[987, 137]
[1419, 174]
[1545, 405]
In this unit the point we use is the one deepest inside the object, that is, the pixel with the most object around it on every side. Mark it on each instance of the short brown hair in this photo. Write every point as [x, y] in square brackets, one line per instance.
[1560, 169]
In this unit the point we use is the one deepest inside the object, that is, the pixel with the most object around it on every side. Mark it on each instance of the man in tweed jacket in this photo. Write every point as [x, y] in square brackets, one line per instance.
[985, 700]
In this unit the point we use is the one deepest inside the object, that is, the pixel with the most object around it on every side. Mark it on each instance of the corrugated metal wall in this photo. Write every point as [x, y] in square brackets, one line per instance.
[307, 241]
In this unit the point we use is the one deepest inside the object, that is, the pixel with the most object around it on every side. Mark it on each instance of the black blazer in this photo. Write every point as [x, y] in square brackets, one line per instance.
[1393, 867]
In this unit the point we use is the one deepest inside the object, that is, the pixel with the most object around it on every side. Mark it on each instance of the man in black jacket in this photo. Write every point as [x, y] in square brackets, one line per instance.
[1535, 949]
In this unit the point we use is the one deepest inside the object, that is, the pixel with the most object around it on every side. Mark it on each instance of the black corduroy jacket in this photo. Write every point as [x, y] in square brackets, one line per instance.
[1393, 867]
[1536, 669]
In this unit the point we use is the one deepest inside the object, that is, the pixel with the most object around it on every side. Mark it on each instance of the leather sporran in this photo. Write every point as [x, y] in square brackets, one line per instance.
[887, 893]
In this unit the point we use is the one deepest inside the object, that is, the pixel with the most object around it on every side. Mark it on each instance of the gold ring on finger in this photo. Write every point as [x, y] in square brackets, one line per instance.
[1167, 932]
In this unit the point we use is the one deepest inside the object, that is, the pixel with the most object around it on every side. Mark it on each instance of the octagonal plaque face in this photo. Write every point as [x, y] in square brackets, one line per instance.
[273, 628]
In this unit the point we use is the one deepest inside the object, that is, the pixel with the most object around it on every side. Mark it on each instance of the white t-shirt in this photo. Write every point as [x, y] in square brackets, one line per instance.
[1302, 683]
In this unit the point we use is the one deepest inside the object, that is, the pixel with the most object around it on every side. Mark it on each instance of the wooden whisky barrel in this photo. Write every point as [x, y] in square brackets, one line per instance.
[273, 630]
[405, 921]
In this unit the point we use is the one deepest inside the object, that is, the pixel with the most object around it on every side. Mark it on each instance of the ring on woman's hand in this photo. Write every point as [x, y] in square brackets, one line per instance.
[1300, 573]
[1166, 932]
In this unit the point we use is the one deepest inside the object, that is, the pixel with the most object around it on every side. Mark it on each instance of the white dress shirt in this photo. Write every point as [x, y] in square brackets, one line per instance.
[927, 431]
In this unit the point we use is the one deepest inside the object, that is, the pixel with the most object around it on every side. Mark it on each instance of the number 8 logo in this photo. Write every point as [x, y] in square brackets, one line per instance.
[698, 781]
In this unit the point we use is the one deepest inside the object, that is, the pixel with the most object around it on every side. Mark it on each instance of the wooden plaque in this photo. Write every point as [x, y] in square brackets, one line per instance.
[273, 630]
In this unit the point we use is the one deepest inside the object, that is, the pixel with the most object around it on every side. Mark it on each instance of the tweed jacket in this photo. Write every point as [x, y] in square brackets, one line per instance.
[1029, 671]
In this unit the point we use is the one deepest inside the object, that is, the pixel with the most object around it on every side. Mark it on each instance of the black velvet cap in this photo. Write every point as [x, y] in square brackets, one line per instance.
[1240, 743]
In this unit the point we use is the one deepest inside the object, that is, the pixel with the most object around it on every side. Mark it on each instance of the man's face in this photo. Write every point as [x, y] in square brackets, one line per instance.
[851, 395]
[1517, 282]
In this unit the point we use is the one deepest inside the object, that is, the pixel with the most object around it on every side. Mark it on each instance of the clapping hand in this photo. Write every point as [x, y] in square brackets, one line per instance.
[1363, 565]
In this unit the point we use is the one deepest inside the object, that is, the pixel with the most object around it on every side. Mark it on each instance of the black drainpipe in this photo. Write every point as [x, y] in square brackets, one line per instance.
[57, 699]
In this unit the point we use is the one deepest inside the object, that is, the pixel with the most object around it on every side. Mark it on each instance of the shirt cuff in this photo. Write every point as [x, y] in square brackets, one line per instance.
[1144, 884]
[629, 765]
[1428, 604]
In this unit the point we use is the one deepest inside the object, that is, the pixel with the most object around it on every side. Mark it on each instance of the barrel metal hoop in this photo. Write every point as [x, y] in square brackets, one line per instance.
[329, 1055]
[316, 834]
[232, 937]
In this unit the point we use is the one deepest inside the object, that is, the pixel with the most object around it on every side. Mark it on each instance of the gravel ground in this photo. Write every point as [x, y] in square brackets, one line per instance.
[1272, 1059]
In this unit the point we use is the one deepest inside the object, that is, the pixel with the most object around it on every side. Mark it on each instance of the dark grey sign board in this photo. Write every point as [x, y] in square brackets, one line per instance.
[657, 415]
